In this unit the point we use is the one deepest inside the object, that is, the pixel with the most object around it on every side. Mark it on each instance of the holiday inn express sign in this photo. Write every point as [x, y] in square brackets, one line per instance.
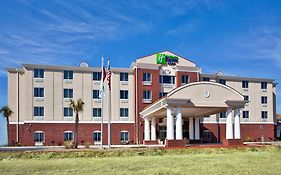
[166, 59]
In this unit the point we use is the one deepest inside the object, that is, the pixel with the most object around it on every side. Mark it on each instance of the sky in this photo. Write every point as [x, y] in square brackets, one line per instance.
[241, 38]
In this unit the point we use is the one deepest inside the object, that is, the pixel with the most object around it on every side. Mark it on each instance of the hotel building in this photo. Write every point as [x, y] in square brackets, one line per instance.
[162, 98]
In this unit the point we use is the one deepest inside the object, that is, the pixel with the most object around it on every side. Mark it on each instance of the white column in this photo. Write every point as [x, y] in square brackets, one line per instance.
[170, 124]
[229, 124]
[178, 124]
[191, 129]
[197, 128]
[153, 129]
[146, 129]
[237, 124]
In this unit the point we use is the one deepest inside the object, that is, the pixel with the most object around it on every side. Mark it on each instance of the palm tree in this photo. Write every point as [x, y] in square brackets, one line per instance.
[77, 108]
[7, 112]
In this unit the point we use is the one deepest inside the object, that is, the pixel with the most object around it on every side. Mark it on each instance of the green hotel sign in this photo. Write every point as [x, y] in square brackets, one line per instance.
[166, 59]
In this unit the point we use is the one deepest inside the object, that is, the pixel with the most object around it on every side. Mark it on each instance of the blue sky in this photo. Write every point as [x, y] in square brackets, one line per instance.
[240, 38]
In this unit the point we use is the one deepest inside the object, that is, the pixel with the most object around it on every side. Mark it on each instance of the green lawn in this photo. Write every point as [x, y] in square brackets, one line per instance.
[186, 161]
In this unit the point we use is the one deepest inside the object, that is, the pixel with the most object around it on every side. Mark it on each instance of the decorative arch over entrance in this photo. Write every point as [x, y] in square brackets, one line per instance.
[192, 101]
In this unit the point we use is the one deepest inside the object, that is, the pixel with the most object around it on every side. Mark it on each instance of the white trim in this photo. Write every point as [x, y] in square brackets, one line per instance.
[223, 122]
[61, 121]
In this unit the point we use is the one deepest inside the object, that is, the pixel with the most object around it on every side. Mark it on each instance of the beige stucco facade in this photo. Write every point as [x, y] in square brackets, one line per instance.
[53, 100]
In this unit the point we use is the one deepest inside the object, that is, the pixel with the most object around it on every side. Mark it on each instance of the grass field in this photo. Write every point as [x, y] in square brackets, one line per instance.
[145, 161]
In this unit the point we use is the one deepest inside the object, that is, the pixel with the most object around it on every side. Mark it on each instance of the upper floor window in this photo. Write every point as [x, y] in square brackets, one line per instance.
[146, 95]
[123, 76]
[246, 98]
[222, 81]
[124, 112]
[123, 94]
[96, 112]
[67, 112]
[264, 100]
[96, 76]
[68, 93]
[96, 94]
[162, 94]
[206, 79]
[245, 114]
[245, 84]
[38, 111]
[96, 136]
[222, 115]
[165, 79]
[263, 85]
[68, 136]
[124, 136]
[68, 75]
[264, 114]
[146, 77]
[38, 92]
[38, 73]
[39, 136]
[184, 79]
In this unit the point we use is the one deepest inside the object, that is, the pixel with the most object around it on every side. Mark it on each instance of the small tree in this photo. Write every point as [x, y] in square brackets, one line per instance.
[77, 108]
[6, 112]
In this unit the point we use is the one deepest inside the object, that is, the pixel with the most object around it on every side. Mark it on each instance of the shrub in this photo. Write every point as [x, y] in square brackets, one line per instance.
[87, 144]
[68, 145]
[248, 139]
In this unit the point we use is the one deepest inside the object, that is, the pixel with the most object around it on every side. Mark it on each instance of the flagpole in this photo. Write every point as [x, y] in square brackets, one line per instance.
[109, 102]
[101, 125]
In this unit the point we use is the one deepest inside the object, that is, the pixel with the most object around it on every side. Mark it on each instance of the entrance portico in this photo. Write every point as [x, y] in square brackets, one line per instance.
[189, 103]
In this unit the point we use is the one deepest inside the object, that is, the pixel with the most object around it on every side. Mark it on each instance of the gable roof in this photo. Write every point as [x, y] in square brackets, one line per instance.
[151, 59]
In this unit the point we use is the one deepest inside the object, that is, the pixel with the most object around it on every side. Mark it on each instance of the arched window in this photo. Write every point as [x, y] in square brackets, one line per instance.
[68, 136]
[96, 136]
[124, 137]
[39, 136]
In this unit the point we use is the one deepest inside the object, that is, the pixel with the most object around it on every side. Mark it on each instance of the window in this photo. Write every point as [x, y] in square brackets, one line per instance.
[206, 79]
[245, 114]
[96, 76]
[184, 79]
[38, 111]
[68, 112]
[123, 76]
[146, 77]
[68, 136]
[207, 116]
[96, 112]
[146, 95]
[124, 112]
[263, 100]
[68, 93]
[123, 94]
[38, 92]
[164, 79]
[96, 136]
[264, 114]
[246, 98]
[68, 74]
[222, 115]
[124, 136]
[39, 136]
[38, 73]
[263, 85]
[222, 81]
[245, 84]
[162, 94]
[96, 94]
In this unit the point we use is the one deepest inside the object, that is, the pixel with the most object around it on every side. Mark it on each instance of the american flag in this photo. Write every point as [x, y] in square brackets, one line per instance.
[108, 76]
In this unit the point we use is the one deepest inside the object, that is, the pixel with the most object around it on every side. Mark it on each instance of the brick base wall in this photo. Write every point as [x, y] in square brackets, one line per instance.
[54, 133]
[253, 132]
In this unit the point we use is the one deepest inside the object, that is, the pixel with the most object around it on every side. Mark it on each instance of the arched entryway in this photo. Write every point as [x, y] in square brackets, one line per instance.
[189, 103]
